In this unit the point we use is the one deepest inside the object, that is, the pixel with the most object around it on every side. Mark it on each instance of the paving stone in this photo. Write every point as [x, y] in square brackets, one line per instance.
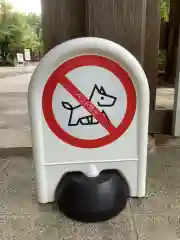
[21, 227]
[4, 228]
[10, 138]
[18, 187]
[163, 183]
[3, 162]
[161, 227]
[167, 140]
[56, 226]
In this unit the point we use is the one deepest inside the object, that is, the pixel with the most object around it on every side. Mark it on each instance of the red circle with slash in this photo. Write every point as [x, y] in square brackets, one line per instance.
[59, 77]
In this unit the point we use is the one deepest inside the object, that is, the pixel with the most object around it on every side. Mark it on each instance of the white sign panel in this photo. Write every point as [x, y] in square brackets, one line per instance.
[89, 103]
[27, 55]
[20, 58]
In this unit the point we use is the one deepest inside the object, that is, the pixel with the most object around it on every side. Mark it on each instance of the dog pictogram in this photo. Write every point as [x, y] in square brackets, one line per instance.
[78, 115]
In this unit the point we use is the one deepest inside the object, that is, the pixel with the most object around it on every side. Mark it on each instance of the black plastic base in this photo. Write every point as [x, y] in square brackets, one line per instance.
[92, 199]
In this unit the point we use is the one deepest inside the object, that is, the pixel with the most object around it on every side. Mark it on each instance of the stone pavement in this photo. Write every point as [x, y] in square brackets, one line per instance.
[16, 71]
[155, 217]
[14, 120]
[165, 98]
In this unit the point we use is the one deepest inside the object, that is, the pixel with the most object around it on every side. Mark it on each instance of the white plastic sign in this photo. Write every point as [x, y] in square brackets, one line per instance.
[27, 55]
[89, 106]
[20, 58]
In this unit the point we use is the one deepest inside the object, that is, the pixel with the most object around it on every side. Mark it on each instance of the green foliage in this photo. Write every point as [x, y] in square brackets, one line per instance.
[17, 32]
[164, 9]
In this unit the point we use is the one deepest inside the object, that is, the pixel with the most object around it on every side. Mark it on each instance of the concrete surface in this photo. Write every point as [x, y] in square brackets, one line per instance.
[14, 120]
[165, 98]
[155, 217]
[15, 71]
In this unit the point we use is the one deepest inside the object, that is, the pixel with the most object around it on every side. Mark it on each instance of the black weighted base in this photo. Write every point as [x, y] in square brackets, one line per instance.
[92, 199]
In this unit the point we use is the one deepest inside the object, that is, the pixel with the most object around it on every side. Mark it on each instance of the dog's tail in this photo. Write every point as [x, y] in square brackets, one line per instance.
[67, 106]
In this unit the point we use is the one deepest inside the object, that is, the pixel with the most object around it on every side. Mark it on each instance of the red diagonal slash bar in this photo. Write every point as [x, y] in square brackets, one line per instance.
[88, 105]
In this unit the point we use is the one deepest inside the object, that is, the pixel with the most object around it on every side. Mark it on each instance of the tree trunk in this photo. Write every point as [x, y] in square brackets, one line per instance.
[174, 20]
[135, 24]
[62, 20]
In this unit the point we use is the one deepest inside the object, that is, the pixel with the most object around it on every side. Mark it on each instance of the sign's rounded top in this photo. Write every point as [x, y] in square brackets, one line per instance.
[87, 90]
[91, 45]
